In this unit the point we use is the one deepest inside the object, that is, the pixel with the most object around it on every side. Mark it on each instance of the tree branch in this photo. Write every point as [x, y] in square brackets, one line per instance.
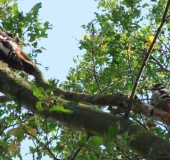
[146, 60]
[94, 62]
[4, 99]
[159, 64]
[84, 118]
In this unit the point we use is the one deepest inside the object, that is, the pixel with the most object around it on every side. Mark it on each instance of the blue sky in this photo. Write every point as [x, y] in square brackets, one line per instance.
[61, 45]
[66, 16]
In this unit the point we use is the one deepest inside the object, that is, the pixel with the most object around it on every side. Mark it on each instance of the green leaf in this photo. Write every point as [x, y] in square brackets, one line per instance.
[39, 105]
[17, 132]
[145, 5]
[59, 108]
[96, 140]
[38, 91]
[35, 8]
[30, 130]
[15, 9]
[112, 132]
[125, 135]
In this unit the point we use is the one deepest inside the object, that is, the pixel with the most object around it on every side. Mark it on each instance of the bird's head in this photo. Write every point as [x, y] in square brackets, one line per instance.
[157, 86]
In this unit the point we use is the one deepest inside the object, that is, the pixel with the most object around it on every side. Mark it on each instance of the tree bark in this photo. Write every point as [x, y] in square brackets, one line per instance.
[85, 118]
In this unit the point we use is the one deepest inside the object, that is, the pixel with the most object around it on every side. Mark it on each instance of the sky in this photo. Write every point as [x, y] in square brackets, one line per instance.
[61, 44]
[66, 16]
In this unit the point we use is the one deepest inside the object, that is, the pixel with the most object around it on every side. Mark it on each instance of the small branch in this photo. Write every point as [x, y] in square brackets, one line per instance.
[74, 154]
[94, 64]
[146, 61]
[121, 150]
[113, 84]
[164, 44]
[45, 146]
[159, 64]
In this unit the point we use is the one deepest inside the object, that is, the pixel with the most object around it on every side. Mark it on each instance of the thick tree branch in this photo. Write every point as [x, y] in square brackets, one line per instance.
[98, 99]
[84, 118]
[4, 99]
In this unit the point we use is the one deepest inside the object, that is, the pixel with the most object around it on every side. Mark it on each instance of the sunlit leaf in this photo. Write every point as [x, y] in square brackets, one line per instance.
[15, 147]
[30, 130]
[60, 108]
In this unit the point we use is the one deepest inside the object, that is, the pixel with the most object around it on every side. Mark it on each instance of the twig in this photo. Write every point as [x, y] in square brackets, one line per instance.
[164, 44]
[119, 148]
[114, 84]
[126, 115]
[159, 64]
[74, 154]
[45, 146]
[46, 132]
[94, 65]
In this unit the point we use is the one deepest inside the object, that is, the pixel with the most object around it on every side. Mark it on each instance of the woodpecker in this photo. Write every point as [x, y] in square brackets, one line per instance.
[11, 53]
[160, 97]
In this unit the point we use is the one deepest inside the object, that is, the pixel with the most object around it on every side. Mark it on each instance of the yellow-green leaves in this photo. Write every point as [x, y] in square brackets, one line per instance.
[85, 36]
[128, 53]
[15, 147]
[59, 108]
[19, 134]
[149, 41]
[20, 130]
